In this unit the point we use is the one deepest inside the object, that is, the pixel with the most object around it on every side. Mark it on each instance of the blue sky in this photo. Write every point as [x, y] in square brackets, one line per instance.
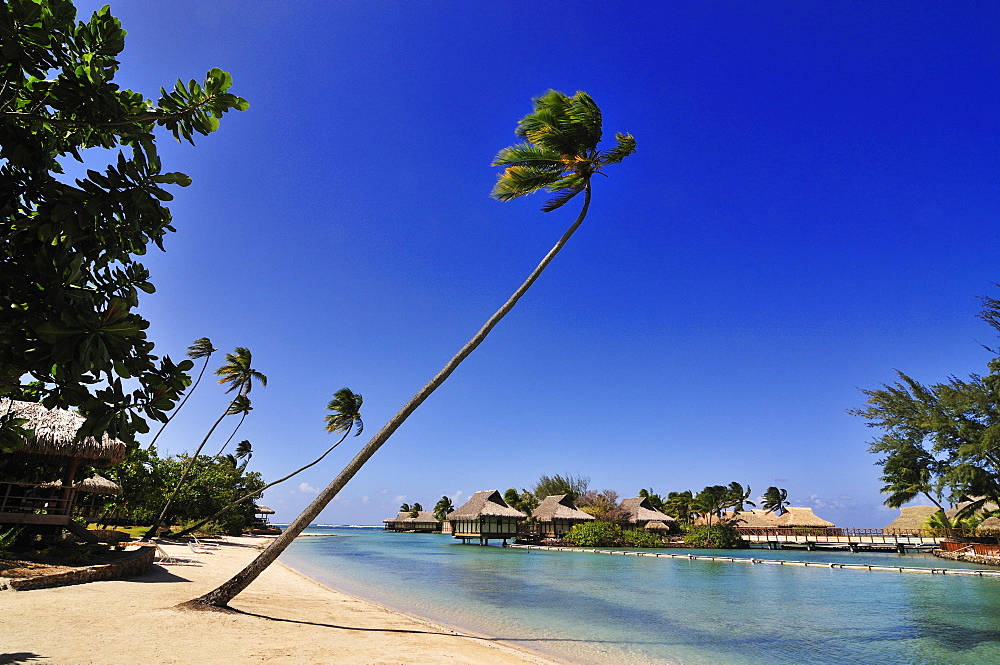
[812, 205]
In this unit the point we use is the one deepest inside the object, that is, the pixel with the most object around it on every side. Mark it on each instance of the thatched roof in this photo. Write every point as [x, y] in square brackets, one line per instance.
[658, 526]
[400, 516]
[912, 518]
[753, 518]
[98, 485]
[558, 507]
[55, 434]
[422, 516]
[639, 510]
[262, 510]
[487, 503]
[989, 524]
[796, 516]
[952, 512]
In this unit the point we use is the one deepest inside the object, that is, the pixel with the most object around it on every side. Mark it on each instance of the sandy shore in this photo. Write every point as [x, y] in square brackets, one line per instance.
[283, 618]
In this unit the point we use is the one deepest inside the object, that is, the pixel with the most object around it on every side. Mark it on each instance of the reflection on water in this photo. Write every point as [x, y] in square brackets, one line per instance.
[599, 609]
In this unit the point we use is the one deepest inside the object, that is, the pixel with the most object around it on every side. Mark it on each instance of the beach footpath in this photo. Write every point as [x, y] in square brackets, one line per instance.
[282, 618]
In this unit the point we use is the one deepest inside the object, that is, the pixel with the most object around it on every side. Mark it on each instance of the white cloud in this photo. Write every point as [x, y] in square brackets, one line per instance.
[400, 498]
[306, 488]
[365, 500]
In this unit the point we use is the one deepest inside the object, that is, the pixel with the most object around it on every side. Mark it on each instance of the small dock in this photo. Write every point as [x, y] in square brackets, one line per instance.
[771, 562]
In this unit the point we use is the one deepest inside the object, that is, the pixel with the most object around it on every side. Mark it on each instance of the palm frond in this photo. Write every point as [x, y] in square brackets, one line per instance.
[201, 348]
[562, 199]
[526, 154]
[625, 146]
[584, 117]
[518, 181]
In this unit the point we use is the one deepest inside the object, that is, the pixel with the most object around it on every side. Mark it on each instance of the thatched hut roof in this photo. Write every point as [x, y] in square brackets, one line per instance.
[487, 503]
[640, 510]
[98, 485]
[400, 516]
[262, 510]
[558, 507]
[422, 516]
[753, 518]
[796, 516]
[658, 526]
[55, 434]
[912, 518]
[989, 525]
[952, 512]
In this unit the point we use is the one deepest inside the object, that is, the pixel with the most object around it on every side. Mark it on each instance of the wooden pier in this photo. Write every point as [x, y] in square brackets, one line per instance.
[772, 562]
[851, 540]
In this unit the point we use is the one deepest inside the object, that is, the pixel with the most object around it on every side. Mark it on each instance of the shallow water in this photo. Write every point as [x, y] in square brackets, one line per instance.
[608, 610]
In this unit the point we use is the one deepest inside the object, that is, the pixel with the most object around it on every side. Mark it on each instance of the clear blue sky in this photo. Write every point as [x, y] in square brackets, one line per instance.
[813, 204]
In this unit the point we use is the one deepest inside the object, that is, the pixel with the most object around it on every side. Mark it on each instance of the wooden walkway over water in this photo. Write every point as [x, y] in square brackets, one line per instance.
[773, 562]
[854, 540]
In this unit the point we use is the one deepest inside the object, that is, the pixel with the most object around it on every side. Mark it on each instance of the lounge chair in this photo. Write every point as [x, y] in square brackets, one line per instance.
[164, 557]
[200, 550]
[205, 544]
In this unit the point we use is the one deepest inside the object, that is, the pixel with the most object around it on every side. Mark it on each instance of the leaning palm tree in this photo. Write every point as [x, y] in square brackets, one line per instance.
[737, 497]
[560, 154]
[346, 408]
[244, 450]
[239, 374]
[202, 348]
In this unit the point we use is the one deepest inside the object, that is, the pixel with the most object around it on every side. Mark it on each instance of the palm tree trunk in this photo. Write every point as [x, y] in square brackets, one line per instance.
[236, 429]
[262, 489]
[221, 596]
[187, 469]
[183, 401]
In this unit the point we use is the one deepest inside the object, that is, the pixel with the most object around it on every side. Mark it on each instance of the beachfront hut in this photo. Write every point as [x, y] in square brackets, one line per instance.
[37, 480]
[639, 513]
[989, 527]
[556, 515]
[260, 516]
[485, 515]
[911, 520]
[752, 519]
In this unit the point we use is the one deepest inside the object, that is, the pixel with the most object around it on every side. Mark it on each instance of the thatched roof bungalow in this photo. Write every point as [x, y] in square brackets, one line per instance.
[53, 450]
[423, 522]
[556, 515]
[395, 523]
[911, 520]
[485, 515]
[640, 513]
[795, 516]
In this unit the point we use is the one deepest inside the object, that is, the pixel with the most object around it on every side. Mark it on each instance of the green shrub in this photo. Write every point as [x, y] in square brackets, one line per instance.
[7, 539]
[718, 537]
[642, 539]
[595, 534]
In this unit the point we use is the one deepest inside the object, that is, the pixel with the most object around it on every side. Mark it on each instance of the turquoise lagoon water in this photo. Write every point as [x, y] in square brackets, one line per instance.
[597, 609]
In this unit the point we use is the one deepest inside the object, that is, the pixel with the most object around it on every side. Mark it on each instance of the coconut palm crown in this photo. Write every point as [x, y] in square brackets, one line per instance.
[560, 153]
[346, 408]
[238, 372]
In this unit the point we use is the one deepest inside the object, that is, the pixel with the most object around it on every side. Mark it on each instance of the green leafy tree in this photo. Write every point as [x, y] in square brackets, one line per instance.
[721, 536]
[557, 484]
[942, 440]
[560, 154]
[442, 508]
[680, 505]
[240, 375]
[345, 416]
[69, 278]
[202, 348]
[710, 502]
[644, 539]
[524, 500]
[415, 509]
[595, 534]
[603, 505]
[774, 500]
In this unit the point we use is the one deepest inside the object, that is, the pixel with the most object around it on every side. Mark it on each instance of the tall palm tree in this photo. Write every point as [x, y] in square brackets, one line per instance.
[679, 505]
[405, 508]
[244, 450]
[202, 348]
[442, 508]
[774, 500]
[240, 376]
[560, 154]
[346, 408]
[415, 509]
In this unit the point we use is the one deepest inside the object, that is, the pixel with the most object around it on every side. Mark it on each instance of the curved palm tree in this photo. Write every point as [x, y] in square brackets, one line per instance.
[442, 508]
[560, 154]
[346, 408]
[240, 375]
[241, 405]
[202, 348]
[774, 500]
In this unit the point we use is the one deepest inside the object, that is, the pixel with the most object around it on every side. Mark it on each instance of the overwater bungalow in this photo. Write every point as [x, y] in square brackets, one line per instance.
[395, 523]
[556, 515]
[793, 517]
[38, 481]
[796, 516]
[640, 513]
[484, 516]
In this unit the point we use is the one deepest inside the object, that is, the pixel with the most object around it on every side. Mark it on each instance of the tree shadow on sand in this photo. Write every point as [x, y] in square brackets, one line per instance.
[19, 657]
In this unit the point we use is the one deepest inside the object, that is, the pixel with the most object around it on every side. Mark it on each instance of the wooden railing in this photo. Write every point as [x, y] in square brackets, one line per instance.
[35, 499]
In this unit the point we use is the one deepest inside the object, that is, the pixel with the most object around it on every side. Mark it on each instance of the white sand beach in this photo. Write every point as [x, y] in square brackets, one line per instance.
[283, 618]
